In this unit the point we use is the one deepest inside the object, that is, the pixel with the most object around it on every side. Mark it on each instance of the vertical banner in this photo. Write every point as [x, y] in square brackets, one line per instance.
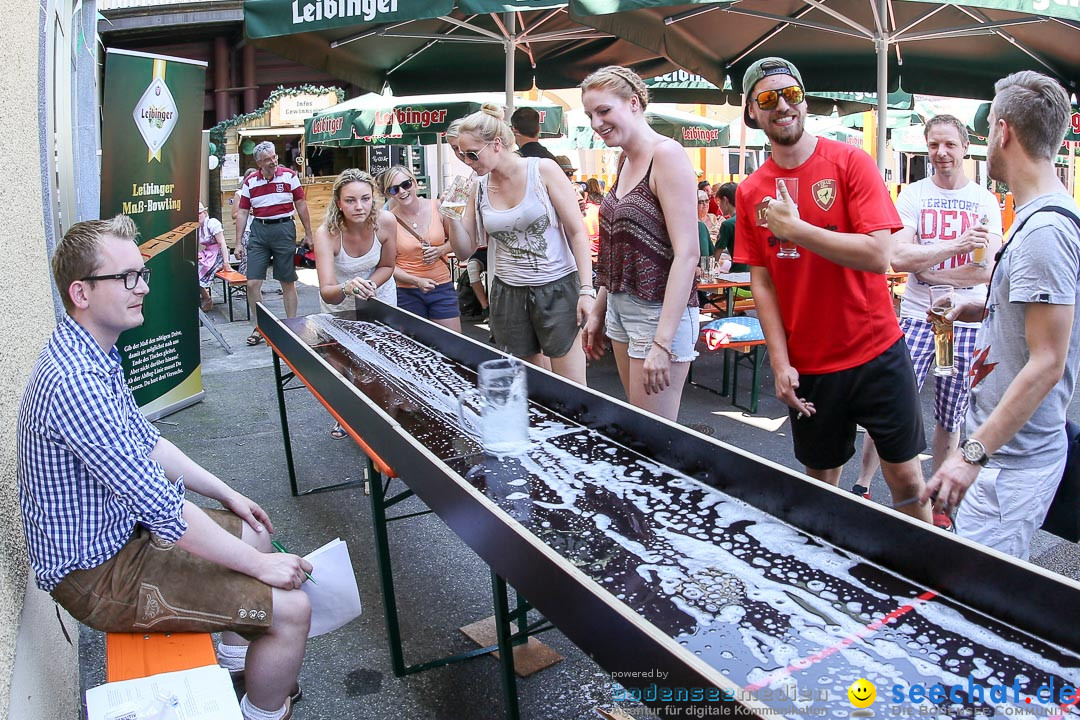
[151, 120]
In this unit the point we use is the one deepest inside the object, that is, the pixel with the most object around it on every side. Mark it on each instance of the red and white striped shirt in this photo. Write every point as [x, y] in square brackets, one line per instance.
[271, 199]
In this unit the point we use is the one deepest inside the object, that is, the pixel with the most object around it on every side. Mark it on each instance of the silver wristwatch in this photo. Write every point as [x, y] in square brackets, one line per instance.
[974, 452]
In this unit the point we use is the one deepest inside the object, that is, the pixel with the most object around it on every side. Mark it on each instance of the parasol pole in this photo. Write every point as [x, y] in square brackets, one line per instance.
[881, 45]
[508, 43]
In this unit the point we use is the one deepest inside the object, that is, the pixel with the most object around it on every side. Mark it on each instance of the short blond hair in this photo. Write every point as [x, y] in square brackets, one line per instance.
[1036, 108]
[945, 119]
[621, 81]
[488, 123]
[78, 254]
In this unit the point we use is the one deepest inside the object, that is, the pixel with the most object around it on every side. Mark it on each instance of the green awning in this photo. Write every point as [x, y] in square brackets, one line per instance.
[981, 124]
[441, 45]
[685, 128]
[418, 120]
[681, 86]
[956, 49]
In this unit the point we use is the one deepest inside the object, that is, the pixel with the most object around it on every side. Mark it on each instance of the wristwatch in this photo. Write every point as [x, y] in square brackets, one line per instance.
[974, 452]
[587, 290]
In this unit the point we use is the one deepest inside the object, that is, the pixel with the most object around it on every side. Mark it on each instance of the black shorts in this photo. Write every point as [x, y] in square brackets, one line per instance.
[881, 395]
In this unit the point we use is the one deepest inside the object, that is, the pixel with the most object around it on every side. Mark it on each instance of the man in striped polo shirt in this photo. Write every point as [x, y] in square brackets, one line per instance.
[270, 195]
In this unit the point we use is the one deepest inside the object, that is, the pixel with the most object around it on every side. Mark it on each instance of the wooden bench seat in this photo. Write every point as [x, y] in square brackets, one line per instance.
[136, 655]
[233, 282]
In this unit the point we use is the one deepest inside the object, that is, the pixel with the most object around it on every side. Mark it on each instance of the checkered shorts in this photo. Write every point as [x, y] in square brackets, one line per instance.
[950, 393]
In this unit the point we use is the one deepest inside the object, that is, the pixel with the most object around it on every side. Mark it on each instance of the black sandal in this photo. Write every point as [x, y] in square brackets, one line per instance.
[338, 432]
[254, 338]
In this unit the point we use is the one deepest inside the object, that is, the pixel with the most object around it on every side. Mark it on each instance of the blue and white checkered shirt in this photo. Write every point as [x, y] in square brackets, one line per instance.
[83, 465]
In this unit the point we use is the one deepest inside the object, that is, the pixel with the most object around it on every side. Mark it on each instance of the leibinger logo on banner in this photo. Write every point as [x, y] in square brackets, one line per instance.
[703, 134]
[316, 10]
[327, 126]
[156, 114]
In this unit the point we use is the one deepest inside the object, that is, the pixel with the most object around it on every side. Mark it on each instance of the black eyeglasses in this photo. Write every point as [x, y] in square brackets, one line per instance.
[130, 278]
[769, 99]
[393, 190]
[473, 155]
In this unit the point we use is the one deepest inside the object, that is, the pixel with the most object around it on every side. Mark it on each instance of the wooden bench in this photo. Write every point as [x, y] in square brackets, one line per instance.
[136, 655]
[233, 282]
[749, 348]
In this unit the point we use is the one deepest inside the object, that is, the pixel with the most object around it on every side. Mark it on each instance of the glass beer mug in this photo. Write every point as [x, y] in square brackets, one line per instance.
[503, 397]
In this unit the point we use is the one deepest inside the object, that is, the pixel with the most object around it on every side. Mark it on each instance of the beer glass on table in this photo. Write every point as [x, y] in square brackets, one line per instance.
[941, 301]
[788, 249]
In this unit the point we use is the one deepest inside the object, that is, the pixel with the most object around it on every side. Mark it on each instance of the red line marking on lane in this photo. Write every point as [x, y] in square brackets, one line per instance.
[1065, 708]
[820, 655]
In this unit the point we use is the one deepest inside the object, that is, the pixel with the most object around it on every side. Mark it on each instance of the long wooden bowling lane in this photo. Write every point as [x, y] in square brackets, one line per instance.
[689, 569]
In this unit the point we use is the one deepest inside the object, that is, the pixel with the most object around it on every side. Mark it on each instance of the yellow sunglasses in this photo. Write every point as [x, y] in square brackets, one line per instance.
[769, 99]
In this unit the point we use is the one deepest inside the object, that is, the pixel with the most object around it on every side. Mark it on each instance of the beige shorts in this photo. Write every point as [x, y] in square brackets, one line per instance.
[148, 586]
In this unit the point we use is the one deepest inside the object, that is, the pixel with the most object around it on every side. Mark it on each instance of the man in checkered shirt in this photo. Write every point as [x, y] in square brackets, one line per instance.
[108, 529]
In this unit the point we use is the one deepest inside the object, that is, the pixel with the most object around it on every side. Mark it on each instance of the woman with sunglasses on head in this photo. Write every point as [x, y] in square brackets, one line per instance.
[355, 249]
[425, 287]
[647, 305]
[527, 211]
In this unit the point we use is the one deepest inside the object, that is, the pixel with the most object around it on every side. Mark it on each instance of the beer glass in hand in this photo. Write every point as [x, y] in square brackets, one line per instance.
[941, 301]
[978, 255]
[788, 249]
[457, 197]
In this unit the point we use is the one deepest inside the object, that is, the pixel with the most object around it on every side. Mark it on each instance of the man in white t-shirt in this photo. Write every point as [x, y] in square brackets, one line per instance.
[946, 218]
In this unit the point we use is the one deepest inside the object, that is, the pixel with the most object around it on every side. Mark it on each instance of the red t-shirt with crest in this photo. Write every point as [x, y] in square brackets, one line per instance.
[835, 318]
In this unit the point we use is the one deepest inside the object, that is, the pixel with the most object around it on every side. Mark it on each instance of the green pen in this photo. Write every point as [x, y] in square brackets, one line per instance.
[281, 548]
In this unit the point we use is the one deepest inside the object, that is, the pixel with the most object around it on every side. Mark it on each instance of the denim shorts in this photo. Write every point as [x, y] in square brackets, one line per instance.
[633, 321]
[439, 303]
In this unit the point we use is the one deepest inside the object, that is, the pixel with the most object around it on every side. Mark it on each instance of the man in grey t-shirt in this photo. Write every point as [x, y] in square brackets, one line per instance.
[1004, 475]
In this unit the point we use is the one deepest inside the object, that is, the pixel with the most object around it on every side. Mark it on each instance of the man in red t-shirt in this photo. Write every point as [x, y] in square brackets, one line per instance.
[815, 225]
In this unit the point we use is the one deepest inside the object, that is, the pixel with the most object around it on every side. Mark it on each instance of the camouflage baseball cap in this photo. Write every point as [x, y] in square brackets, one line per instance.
[760, 70]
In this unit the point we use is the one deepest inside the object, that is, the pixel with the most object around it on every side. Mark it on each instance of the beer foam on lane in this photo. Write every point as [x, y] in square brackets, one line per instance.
[735, 577]
[418, 371]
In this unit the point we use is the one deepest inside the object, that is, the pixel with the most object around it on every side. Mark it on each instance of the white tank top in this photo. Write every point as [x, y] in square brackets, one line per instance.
[530, 248]
[347, 267]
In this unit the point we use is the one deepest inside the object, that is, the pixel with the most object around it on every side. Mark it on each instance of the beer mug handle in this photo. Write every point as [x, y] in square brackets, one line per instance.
[467, 418]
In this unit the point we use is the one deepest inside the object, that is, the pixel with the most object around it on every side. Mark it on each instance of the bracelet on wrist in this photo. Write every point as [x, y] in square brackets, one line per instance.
[588, 290]
[668, 350]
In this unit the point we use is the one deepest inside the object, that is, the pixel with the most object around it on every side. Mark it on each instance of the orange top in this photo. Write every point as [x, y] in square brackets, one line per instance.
[410, 254]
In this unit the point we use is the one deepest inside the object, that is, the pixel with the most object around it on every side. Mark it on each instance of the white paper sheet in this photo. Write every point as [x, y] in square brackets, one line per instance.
[335, 599]
[205, 693]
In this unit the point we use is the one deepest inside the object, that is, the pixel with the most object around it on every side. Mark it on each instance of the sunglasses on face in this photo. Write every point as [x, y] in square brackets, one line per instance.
[472, 155]
[130, 278]
[393, 190]
[703, 201]
[769, 99]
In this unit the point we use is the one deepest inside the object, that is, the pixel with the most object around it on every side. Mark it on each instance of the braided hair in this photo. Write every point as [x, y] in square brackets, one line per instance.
[621, 81]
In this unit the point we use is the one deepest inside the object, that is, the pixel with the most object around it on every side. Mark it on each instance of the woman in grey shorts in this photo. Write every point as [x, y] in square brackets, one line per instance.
[541, 287]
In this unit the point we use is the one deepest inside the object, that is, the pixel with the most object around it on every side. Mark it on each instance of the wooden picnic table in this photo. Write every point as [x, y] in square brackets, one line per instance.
[727, 282]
